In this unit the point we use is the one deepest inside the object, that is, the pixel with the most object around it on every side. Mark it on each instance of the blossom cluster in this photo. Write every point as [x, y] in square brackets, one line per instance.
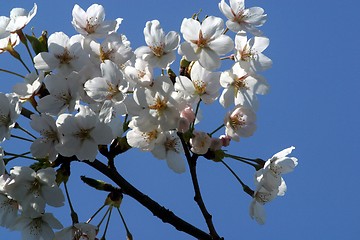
[94, 88]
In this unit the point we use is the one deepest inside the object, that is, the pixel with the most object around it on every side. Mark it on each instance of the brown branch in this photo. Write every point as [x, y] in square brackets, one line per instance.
[192, 160]
[161, 212]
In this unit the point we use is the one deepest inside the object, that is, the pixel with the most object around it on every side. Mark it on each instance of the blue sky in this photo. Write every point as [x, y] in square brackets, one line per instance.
[313, 105]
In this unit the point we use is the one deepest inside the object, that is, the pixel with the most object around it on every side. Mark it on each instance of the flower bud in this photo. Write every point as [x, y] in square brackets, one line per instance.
[200, 143]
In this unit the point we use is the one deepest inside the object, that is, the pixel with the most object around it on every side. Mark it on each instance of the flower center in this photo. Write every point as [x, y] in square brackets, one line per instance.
[150, 136]
[158, 50]
[236, 121]
[105, 55]
[239, 17]
[84, 134]
[159, 105]
[201, 42]
[263, 197]
[200, 86]
[240, 83]
[246, 54]
[91, 25]
[5, 120]
[65, 58]
[35, 227]
[50, 135]
[172, 145]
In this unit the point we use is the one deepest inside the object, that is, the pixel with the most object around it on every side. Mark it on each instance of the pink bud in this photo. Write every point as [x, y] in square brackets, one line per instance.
[188, 114]
[184, 125]
[216, 144]
[200, 142]
[225, 140]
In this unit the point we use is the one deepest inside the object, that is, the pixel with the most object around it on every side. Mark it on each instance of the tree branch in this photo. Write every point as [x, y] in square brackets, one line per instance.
[192, 159]
[161, 212]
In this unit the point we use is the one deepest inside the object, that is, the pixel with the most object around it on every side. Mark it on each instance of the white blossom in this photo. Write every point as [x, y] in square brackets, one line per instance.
[81, 134]
[200, 142]
[241, 88]
[160, 48]
[65, 54]
[39, 227]
[30, 87]
[7, 38]
[249, 52]
[242, 19]
[33, 190]
[240, 122]
[113, 48]
[203, 85]
[10, 109]
[19, 18]
[92, 22]
[205, 41]
[63, 94]
[44, 146]
[170, 148]
[141, 73]
[160, 106]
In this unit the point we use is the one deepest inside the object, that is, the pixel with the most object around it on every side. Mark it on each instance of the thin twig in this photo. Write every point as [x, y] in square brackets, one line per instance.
[198, 197]
[11, 72]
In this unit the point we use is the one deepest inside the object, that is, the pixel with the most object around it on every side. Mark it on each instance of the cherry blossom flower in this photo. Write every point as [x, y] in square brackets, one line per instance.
[145, 141]
[63, 94]
[44, 146]
[170, 148]
[200, 142]
[37, 227]
[113, 48]
[141, 73]
[7, 38]
[241, 88]
[205, 41]
[92, 22]
[203, 84]
[249, 52]
[240, 123]
[110, 86]
[8, 211]
[241, 19]
[19, 18]
[34, 189]
[65, 54]
[81, 231]
[160, 48]
[30, 87]
[270, 176]
[257, 211]
[160, 106]
[270, 183]
[10, 109]
[81, 134]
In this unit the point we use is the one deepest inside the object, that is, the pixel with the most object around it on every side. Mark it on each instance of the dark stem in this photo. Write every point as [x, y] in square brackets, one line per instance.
[11, 72]
[245, 187]
[74, 216]
[192, 160]
[159, 211]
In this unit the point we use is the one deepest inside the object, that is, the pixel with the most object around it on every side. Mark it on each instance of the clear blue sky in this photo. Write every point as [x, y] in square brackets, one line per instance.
[313, 104]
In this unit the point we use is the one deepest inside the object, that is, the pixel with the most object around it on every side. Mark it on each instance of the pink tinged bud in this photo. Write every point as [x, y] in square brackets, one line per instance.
[225, 139]
[216, 144]
[200, 143]
[184, 125]
[188, 114]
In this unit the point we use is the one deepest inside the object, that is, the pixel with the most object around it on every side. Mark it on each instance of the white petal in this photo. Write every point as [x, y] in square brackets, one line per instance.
[209, 59]
[175, 161]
